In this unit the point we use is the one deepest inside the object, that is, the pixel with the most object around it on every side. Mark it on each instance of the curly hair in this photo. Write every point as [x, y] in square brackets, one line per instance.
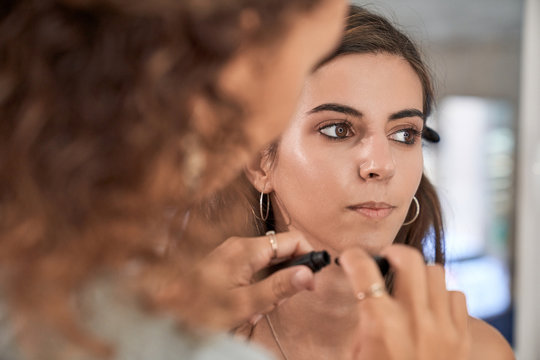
[96, 130]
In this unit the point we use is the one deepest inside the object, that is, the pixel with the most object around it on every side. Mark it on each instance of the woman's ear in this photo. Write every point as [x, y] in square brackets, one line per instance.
[258, 172]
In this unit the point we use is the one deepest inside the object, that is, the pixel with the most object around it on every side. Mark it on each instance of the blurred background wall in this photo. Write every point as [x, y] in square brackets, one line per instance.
[484, 56]
[527, 295]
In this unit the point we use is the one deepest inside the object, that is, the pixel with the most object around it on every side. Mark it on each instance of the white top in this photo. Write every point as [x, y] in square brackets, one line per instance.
[135, 334]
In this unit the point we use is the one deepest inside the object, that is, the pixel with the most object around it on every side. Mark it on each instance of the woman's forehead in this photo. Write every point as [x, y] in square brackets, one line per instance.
[364, 80]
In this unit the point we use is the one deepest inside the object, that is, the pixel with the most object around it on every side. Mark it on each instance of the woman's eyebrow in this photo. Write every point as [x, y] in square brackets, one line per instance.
[344, 109]
[407, 113]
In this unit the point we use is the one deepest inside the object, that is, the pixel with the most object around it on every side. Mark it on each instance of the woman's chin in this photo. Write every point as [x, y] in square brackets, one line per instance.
[372, 243]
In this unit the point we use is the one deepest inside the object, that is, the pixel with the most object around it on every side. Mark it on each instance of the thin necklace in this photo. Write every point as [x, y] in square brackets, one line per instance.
[273, 331]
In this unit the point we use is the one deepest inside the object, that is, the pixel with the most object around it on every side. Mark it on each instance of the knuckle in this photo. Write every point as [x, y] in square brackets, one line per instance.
[375, 326]
[436, 271]
[280, 288]
[296, 235]
[245, 305]
[414, 254]
[458, 295]
[231, 240]
[425, 326]
[236, 245]
[428, 337]
[410, 252]
[453, 339]
[458, 298]
[404, 255]
[377, 318]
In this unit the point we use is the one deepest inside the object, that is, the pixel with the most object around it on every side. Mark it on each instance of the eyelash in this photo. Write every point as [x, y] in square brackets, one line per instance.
[414, 132]
[345, 124]
[415, 136]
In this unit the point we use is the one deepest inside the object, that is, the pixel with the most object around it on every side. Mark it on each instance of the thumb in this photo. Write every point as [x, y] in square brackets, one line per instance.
[281, 285]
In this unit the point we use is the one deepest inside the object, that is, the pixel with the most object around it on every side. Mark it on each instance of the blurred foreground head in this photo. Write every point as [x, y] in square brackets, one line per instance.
[115, 115]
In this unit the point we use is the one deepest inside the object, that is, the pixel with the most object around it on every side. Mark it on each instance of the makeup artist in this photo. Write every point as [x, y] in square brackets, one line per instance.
[115, 117]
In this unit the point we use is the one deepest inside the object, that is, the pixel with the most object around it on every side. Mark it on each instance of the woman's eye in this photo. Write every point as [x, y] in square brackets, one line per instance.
[405, 136]
[337, 131]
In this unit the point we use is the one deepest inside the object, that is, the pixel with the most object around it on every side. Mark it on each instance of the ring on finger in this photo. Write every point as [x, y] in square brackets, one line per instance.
[375, 290]
[273, 242]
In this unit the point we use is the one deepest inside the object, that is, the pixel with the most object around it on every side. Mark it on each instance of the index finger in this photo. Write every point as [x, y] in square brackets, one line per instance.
[287, 245]
[258, 252]
[362, 271]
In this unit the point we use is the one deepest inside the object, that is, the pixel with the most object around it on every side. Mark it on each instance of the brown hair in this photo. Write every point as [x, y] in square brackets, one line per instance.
[95, 131]
[366, 32]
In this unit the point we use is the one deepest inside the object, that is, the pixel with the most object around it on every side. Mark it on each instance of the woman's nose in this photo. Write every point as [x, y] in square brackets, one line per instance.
[376, 160]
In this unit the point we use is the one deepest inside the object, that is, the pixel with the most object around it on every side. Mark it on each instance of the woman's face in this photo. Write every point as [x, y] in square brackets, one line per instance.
[351, 161]
[267, 82]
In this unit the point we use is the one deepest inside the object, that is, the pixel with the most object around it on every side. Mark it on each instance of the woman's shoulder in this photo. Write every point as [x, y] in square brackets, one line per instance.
[487, 342]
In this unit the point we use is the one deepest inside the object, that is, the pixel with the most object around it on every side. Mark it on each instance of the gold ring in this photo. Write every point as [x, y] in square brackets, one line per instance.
[273, 242]
[375, 290]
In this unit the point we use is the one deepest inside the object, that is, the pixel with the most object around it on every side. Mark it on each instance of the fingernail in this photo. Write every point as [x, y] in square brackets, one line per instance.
[303, 279]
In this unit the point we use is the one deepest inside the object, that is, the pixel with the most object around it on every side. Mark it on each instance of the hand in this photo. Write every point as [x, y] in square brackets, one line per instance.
[420, 320]
[231, 296]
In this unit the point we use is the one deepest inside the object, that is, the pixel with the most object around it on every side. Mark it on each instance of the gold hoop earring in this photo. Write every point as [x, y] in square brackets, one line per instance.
[264, 216]
[416, 214]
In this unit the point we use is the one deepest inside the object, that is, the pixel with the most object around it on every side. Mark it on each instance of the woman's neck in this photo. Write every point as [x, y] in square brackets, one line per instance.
[315, 324]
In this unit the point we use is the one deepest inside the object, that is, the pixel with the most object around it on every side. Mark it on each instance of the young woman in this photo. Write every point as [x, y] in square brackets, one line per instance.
[348, 175]
[115, 117]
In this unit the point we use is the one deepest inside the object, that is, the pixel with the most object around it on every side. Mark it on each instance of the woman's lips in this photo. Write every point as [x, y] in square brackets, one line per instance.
[373, 210]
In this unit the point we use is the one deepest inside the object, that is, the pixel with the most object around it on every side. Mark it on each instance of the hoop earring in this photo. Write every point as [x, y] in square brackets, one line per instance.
[416, 214]
[264, 217]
